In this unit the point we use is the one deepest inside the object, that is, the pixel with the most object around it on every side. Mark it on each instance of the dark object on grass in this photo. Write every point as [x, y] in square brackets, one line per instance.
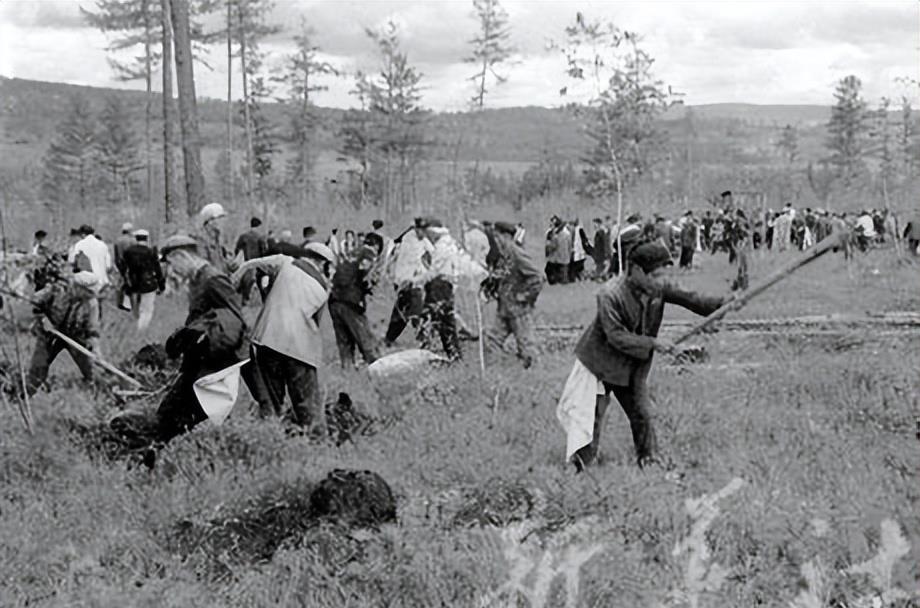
[152, 356]
[343, 421]
[495, 503]
[128, 436]
[355, 498]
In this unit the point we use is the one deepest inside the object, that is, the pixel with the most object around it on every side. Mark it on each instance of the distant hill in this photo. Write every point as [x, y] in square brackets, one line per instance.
[29, 111]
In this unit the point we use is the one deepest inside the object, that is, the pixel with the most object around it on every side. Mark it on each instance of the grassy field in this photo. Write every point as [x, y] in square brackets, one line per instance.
[795, 482]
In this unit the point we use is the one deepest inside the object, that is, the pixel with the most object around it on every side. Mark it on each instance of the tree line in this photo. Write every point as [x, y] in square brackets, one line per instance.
[382, 144]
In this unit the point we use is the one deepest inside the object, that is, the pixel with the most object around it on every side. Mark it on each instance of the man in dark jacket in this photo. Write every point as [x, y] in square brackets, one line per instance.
[143, 278]
[617, 347]
[212, 339]
[688, 237]
[519, 284]
[351, 284]
[251, 244]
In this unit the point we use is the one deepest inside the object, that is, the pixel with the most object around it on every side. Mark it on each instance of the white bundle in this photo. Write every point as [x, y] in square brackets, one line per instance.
[403, 371]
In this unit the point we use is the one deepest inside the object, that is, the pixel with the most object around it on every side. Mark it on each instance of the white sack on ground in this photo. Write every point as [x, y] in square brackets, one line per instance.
[403, 371]
[217, 392]
[576, 408]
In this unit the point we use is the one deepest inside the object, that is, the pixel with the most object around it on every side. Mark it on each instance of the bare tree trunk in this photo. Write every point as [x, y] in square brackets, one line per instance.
[230, 100]
[148, 76]
[246, 118]
[169, 192]
[188, 112]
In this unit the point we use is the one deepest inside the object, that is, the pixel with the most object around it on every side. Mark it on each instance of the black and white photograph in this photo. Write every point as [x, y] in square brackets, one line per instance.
[460, 303]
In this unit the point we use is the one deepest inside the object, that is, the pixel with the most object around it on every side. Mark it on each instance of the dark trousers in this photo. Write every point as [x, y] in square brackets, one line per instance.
[180, 412]
[407, 309]
[577, 270]
[557, 273]
[438, 318]
[277, 375]
[686, 257]
[247, 282]
[635, 402]
[351, 330]
[47, 348]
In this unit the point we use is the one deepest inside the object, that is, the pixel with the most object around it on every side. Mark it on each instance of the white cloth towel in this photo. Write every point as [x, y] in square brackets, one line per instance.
[575, 411]
[217, 392]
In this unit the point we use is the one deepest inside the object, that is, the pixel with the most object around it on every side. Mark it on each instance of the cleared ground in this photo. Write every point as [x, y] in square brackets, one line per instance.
[821, 434]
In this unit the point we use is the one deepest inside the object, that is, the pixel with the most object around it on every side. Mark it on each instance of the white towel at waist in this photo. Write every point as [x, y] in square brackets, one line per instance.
[575, 411]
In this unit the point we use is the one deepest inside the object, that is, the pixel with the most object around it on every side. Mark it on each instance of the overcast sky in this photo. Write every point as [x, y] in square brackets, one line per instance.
[757, 51]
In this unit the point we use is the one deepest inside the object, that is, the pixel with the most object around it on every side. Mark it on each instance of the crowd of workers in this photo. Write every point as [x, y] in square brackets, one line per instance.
[279, 355]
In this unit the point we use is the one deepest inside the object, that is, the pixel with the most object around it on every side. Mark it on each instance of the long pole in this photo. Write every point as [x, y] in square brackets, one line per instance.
[806, 257]
[25, 408]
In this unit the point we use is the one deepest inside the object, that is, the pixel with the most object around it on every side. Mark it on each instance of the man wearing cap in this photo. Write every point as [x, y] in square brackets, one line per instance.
[210, 236]
[287, 347]
[352, 283]
[144, 278]
[251, 245]
[689, 235]
[617, 348]
[412, 256]
[450, 266]
[601, 250]
[519, 284]
[212, 338]
[72, 308]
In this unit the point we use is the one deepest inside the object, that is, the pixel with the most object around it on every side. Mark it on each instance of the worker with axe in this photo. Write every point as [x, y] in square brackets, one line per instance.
[71, 306]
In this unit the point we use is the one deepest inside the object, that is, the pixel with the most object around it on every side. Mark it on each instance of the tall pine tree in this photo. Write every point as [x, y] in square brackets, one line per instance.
[847, 130]
[117, 146]
[70, 166]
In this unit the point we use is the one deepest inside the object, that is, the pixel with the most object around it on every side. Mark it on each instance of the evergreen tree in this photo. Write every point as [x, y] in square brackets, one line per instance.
[356, 135]
[788, 144]
[491, 47]
[908, 147]
[70, 167]
[847, 129]
[264, 139]
[302, 75]
[118, 149]
[398, 120]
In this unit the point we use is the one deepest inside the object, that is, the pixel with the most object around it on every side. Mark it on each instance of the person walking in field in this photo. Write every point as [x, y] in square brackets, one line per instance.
[210, 237]
[614, 355]
[212, 338]
[125, 240]
[689, 237]
[450, 265]
[287, 347]
[70, 306]
[250, 245]
[412, 257]
[519, 284]
[144, 278]
[351, 284]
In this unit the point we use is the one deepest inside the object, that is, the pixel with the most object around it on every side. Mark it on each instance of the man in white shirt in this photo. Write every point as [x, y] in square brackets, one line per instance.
[287, 347]
[97, 254]
[412, 254]
[450, 266]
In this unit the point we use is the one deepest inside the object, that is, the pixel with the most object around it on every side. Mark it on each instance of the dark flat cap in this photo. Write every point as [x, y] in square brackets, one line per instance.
[649, 256]
[428, 222]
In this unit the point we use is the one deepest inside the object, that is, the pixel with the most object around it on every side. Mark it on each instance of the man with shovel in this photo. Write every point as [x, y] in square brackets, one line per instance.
[614, 355]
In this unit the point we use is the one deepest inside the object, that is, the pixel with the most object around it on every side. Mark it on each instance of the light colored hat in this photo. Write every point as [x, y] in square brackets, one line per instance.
[211, 211]
[126, 227]
[85, 278]
[321, 251]
[178, 241]
[141, 234]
